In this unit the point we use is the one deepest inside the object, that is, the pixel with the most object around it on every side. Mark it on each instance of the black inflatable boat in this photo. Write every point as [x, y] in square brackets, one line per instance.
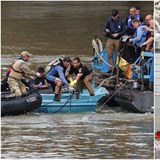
[19, 105]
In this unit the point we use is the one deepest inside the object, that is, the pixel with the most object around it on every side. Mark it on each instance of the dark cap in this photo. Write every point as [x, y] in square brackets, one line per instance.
[40, 69]
[114, 12]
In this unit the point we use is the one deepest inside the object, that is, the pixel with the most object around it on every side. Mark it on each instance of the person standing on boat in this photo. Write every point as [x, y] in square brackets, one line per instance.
[20, 70]
[56, 76]
[140, 36]
[84, 76]
[115, 28]
[133, 15]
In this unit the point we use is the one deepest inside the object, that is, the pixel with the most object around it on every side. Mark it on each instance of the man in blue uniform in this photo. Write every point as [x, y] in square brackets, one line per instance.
[140, 36]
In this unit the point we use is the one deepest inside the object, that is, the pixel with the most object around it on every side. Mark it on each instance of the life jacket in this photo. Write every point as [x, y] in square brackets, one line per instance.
[144, 33]
[55, 62]
[129, 22]
[16, 71]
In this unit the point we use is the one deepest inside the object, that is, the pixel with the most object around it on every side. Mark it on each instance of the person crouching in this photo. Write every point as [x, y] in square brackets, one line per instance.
[84, 76]
[56, 77]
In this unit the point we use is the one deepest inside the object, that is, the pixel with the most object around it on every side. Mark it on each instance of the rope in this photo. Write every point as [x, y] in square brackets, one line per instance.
[95, 46]
[110, 98]
[104, 60]
[114, 67]
[97, 49]
[60, 107]
[105, 80]
[65, 103]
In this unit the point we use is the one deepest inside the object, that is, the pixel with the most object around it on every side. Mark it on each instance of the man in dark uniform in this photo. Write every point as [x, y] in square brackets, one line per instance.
[115, 29]
[83, 78]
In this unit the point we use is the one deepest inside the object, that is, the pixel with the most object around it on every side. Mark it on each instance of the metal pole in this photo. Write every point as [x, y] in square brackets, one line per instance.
[142, 78]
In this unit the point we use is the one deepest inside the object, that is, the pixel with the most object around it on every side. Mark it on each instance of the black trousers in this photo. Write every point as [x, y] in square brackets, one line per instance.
[52, 84]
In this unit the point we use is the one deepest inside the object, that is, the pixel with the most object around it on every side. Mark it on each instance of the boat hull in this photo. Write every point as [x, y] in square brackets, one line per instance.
[135, 101]
[129, 98]
[69, 103]
[20, 105]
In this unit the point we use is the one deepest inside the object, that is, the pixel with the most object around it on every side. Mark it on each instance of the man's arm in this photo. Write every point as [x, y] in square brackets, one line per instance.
[150, 39]
[61, 74]
[27, 71]
[79, 75]
[138, 37]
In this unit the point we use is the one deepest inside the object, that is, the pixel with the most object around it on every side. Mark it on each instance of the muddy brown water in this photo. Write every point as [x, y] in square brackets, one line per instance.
[54, 29]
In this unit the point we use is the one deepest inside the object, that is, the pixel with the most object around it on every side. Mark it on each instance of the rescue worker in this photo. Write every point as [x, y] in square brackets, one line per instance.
[56, 76]
[83, 76]
[115, 29]
[133, 15]
[139, 36]
[20, 70]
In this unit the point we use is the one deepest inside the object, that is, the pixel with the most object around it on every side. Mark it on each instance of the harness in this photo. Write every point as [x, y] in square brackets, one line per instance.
[144, 33]
[129, 22]
[53, 64]
[16, 70]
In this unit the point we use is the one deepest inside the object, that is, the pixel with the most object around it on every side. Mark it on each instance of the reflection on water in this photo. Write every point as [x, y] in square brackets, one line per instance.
[105, 135]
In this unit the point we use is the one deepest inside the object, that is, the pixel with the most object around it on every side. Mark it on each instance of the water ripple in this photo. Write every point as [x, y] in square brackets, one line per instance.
[30, 136]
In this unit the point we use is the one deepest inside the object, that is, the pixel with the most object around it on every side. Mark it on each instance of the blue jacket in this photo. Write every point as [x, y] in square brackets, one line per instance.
[115, 27]
[140, 35]
[130, 18]
[57, 71]
[130, 29]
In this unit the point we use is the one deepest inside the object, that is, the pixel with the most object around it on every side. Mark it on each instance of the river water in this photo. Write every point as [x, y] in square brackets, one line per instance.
[55, 29]
[107, 135]
[51, 28]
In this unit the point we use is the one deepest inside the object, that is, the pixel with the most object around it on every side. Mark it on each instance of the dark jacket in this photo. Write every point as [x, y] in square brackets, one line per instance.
[115, 27]
[130, 29]
[39, 80]
[81, 69]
